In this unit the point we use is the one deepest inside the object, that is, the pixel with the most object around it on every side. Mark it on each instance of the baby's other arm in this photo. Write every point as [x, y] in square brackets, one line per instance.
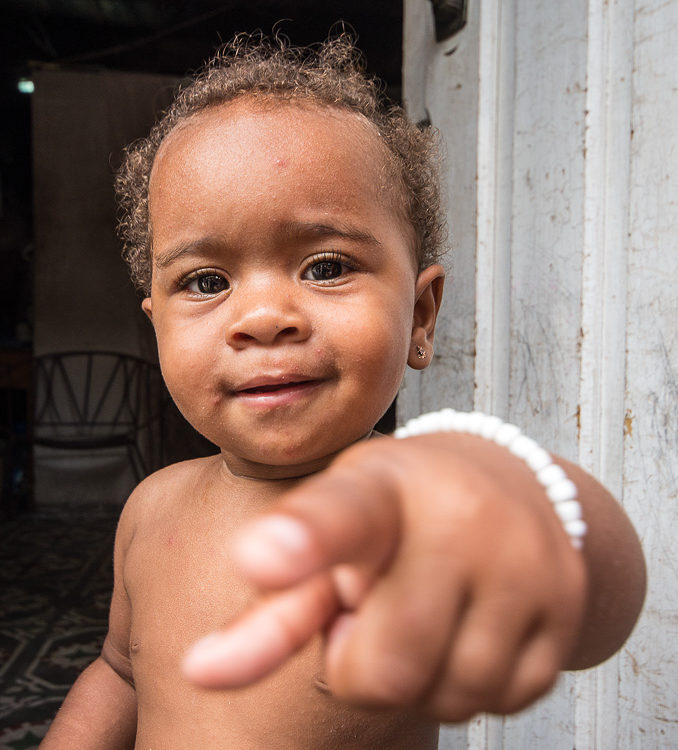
[615, 573]
[447, 579]
[100, 710]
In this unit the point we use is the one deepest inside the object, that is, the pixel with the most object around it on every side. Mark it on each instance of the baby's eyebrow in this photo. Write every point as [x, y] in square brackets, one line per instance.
[320, 230]
[180, 250]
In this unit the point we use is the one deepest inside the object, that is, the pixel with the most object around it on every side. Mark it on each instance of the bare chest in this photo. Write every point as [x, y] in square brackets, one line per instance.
[182, 585]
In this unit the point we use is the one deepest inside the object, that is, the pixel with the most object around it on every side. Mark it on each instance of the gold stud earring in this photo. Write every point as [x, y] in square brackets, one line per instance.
[421, 353]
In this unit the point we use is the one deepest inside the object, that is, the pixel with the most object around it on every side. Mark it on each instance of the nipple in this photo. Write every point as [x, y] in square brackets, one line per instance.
[320, 684]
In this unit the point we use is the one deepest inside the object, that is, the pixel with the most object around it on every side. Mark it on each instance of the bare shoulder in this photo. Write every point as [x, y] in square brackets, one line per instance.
[194, 473]
[159, 493]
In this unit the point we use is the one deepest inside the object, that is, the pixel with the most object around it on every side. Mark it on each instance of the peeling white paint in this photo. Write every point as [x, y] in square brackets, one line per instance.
[565, 113]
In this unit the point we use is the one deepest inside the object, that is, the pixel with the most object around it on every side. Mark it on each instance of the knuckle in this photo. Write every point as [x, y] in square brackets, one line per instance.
[532, 682]
[450, 705]
[542, 674]
[385, 683]
[478, 668]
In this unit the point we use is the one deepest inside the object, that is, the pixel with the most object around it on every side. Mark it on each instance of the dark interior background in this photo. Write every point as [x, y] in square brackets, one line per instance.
[136, 36]
[152, 36]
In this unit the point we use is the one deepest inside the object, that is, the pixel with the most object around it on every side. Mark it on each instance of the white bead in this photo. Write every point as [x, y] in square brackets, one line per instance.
[476, 420]
[409, 429]
[447, 418]
[430, 422]
[538, 459]
[506, 433]
[522, 446]
[562, 491]
[460, 421]
[415, 426]
[550, 475]
[576, 529]
[568, 510]
[490, 427]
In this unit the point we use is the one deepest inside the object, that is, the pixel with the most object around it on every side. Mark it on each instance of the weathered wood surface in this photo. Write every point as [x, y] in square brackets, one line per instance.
[562, 311]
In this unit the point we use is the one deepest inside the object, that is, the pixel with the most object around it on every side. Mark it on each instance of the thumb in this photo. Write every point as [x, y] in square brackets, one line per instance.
[345, 516]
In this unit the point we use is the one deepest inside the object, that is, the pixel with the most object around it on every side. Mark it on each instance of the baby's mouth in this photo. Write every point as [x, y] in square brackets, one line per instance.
[276, 387]
[287, 385]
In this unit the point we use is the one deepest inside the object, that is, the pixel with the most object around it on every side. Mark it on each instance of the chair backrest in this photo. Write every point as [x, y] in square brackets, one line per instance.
[93, 394]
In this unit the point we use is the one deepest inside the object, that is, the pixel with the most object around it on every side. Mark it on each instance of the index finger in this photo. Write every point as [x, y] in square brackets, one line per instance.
[343, 515]
[263, 638]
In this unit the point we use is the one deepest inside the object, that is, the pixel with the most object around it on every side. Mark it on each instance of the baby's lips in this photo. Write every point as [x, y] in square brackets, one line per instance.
[274, 380]
[273, 387]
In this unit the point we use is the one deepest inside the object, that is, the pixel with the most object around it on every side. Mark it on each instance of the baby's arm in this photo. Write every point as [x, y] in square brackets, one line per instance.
[444, 576]
[616, 574]
[100, 711]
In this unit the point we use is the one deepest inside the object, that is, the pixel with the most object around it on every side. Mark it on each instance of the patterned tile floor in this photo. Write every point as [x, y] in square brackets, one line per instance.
[55, 585]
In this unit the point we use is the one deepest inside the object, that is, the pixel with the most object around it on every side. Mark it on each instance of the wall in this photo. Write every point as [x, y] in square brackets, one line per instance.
[83, 298]
[561, 311]
[81, 121]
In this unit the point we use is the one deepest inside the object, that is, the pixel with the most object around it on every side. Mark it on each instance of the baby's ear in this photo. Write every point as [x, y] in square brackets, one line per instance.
[428, 296]
[147, 307]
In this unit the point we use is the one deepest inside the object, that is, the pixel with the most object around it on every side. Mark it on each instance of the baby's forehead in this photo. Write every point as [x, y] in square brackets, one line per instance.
[277, 120]
[322, 137]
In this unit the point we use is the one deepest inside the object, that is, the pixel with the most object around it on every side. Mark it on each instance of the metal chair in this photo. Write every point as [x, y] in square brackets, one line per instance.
[95, 400]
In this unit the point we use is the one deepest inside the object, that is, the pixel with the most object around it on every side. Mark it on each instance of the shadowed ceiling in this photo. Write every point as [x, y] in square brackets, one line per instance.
[173, 37]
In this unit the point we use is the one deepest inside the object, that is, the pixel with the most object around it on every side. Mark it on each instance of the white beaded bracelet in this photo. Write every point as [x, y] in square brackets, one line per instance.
[561, 491]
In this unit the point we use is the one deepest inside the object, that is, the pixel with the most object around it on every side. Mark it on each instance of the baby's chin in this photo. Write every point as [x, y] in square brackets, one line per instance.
[287, 464]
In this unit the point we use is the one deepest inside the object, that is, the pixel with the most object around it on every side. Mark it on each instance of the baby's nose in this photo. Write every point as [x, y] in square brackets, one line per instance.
[268, 319]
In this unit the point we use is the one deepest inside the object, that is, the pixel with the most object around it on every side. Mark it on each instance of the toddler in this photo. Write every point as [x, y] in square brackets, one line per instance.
[350, 590]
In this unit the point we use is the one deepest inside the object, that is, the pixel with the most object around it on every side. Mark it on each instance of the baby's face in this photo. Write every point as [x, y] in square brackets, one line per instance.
[284, 281]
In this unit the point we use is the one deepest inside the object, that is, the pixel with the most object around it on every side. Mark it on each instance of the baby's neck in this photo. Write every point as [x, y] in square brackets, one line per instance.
[243, 471]
[240, 471]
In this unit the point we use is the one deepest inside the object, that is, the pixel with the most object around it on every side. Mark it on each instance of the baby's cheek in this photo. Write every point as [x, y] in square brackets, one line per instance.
[187, 382]
[382, 352]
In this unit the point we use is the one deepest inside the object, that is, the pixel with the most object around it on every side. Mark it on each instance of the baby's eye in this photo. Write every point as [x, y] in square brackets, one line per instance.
[326, 268]
[207, 283]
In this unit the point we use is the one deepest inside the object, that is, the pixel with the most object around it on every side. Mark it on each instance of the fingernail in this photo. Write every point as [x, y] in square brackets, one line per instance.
[270, 542]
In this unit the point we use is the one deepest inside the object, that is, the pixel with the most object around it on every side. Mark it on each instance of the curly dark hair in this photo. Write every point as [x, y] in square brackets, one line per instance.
[331, 74]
